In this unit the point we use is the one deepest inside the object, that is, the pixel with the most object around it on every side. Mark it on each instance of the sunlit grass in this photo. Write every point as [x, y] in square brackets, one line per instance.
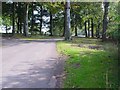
[90, 67]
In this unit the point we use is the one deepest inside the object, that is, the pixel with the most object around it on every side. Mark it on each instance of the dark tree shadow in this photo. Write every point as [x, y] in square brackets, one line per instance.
[36, 76]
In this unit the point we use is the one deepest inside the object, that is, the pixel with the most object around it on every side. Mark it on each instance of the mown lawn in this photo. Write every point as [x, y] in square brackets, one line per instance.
[90, 64]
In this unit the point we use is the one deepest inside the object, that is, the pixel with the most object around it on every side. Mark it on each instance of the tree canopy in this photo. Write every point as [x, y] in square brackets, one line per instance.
[51, 18]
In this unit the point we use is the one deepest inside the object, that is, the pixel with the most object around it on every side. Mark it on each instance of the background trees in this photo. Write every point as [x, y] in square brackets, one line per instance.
[87, 19]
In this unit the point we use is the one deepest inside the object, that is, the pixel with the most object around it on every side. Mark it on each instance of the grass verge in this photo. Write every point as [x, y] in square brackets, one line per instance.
[32, 37]
[90, 64]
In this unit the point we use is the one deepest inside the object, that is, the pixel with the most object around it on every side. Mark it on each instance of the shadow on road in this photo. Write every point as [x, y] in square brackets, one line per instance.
[36, 76]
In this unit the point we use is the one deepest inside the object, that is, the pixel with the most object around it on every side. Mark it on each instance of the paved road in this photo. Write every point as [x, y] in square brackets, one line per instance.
[29, 64]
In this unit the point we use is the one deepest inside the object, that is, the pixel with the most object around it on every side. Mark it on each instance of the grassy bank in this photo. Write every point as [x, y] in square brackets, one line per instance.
[90, 64]
[30, 37]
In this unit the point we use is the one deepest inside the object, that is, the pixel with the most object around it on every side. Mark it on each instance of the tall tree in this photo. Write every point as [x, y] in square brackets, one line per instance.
[105, 21]
[51, 24]
[13, 18]
[92, 28]
[76, 30]
[98, 30]
[88, 27]
[67, 20]
[41, 20]
[26, 19]
[32, 19]
[20, 16]
[64, 20]
[85, 24]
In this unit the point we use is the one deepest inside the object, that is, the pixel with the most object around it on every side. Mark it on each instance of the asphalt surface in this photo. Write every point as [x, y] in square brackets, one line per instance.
[30, 64]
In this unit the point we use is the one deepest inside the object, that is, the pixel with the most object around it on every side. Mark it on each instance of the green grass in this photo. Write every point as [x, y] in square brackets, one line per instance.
[90, 67]
[34, 37]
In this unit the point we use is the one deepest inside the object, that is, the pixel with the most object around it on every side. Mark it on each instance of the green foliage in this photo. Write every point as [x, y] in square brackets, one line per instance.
[53, 7]
[113, 21]
[6, 14]
[6, 20]
[0, 20]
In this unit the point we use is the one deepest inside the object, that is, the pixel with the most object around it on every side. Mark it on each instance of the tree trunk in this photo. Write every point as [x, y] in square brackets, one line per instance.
[13, 18]
[18, 26]
[6, 29]
[26, 20]
[75, 25]
[41, 20]
[105, 22]
[51, 24]
[98, 31]
[76, 31]
[20, 18]
[64, 21]
[85, 28]
[32, 22]
[67, 21]
[92, 28]
[88, 27]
